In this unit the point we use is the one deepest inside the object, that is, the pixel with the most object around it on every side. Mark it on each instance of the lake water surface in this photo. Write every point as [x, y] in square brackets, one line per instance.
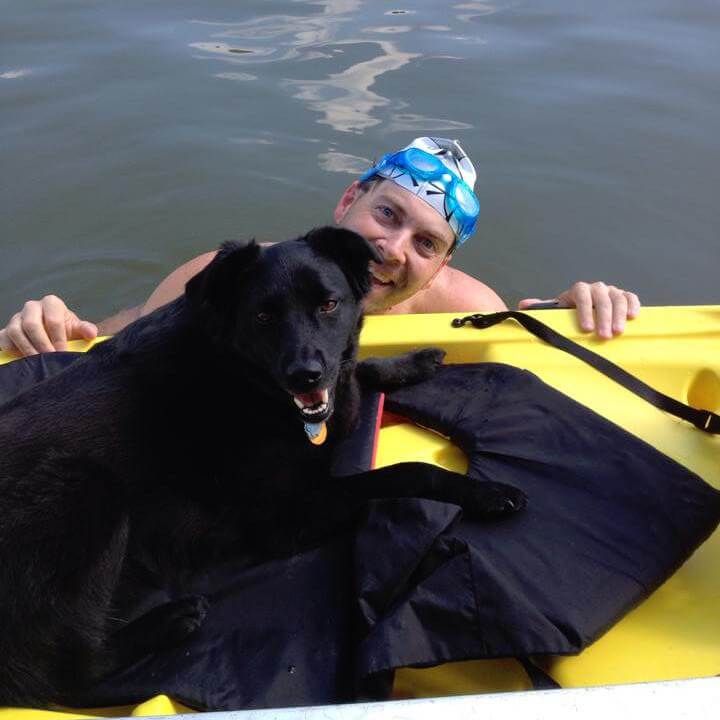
[135, 135]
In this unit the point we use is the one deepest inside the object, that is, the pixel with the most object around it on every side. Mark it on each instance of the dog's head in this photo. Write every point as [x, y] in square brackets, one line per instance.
[293, 310]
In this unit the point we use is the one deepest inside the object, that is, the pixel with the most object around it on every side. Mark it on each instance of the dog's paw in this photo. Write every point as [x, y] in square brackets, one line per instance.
[425, 363]
[489, 500]
[395, 372]
[183, 617]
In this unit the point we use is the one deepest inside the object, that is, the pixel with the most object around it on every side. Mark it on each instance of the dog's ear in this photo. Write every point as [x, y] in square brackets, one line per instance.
[352, 252]
[214, 286]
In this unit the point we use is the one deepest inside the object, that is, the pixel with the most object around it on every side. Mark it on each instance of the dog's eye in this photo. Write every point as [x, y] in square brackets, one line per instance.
[328, 306]
[263, 318]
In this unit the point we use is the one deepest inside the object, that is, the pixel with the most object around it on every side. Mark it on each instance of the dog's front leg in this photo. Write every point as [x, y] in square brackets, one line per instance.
[162, 627]
[480, 499]
[395, 372]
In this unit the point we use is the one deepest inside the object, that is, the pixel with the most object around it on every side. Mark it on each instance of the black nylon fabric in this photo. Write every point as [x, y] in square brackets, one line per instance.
[609, 518]
[23, 373]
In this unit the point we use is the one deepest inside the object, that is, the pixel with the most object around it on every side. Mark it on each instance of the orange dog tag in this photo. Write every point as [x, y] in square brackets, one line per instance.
[316, 432]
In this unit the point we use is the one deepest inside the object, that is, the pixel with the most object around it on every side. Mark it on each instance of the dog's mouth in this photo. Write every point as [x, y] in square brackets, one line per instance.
[314, 406]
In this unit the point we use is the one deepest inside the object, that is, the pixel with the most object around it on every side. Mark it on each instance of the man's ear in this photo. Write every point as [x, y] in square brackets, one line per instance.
[347, 199]
[214, 287]
[352, 252]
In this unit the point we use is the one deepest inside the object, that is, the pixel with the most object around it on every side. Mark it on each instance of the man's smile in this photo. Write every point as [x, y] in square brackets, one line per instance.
[382, 279]
[382, 282]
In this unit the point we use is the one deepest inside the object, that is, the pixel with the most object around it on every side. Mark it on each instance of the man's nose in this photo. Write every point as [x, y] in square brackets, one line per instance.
[392, 247]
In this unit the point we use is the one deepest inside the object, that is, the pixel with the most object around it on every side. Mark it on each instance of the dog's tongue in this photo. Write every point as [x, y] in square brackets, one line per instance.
[312, 398]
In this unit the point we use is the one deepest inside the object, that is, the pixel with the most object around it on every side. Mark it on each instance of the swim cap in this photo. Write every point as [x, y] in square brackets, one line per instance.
[438, 171]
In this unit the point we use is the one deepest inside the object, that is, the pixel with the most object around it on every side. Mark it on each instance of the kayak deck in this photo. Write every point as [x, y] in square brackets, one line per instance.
[675, 633]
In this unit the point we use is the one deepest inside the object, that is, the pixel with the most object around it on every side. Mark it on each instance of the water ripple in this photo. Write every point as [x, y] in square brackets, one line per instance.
[345, 98]
[15, 74]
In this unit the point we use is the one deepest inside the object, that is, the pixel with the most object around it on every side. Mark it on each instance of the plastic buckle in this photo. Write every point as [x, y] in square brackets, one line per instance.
[478, 320]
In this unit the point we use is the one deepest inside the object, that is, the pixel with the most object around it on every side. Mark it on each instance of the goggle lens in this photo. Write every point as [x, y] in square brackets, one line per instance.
[421, 163]
[466, 200]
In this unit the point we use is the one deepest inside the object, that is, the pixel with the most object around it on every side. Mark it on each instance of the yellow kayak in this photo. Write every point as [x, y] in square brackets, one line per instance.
[675, 633]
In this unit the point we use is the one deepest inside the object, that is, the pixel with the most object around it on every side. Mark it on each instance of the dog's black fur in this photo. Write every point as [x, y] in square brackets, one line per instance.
[176, 444]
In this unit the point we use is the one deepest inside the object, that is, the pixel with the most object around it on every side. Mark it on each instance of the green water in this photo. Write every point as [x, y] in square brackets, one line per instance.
[135, 135]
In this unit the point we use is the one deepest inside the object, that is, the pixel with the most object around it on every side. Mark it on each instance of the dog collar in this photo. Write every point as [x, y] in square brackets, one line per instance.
[316, 432]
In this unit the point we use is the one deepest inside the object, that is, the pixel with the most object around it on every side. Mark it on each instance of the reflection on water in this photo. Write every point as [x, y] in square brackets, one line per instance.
[416, 124]
[347, 100]
[388, 29]
[14, 74]
[334, 161]
[238, 76]
[477, 10]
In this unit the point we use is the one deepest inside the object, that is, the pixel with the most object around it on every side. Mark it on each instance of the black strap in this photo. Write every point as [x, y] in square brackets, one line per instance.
[703, 419]
[540, 679]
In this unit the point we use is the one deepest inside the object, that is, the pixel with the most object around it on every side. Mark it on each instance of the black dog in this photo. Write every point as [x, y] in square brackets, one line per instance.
[175, 443]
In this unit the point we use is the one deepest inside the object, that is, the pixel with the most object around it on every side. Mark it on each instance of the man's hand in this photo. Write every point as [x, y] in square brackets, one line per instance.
[600, 307]
[44, 326]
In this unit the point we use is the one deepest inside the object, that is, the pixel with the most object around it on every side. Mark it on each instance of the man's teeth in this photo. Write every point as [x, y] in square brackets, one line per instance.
[380, 280]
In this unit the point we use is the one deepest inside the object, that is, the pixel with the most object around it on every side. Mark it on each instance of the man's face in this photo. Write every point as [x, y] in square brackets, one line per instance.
[410, 235]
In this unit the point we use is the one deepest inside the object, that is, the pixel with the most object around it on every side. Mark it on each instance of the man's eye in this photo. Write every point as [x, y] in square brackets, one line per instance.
[263, 318]
[328, 306]
[427, 245]
[386, 211]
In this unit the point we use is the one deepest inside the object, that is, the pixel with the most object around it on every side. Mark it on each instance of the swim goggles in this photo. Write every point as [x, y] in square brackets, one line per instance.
[426, 176]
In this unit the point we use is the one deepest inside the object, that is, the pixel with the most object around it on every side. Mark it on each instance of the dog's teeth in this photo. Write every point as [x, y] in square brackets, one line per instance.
[299, 403]
[315, 410]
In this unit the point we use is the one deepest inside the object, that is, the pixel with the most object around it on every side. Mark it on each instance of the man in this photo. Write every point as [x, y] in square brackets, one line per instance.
[416, 206]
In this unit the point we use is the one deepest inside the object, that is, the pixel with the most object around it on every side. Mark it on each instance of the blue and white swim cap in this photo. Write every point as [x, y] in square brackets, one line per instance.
[438, 171]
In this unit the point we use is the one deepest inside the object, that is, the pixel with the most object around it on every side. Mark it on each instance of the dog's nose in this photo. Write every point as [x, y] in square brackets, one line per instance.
[305, 376]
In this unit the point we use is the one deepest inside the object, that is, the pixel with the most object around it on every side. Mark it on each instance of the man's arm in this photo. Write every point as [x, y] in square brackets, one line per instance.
[174, 284]
[46, 325]
[115, 323]
[600, 307]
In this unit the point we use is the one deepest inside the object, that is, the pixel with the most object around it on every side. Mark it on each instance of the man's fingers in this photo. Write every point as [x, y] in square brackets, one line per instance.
[32, 328]
[55, 316]
[44, 326]
[619, 302]
[16, 338]
[580, 297]
[6, 342]
[85, 330]
[633, 304]
[527, 302]
[603, 309]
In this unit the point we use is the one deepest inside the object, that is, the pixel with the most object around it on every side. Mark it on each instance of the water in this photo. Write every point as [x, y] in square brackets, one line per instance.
[136, 135]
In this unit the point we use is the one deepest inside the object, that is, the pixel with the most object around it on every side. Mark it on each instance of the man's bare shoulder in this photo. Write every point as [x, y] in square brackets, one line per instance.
[174, 284]
[452, 290]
